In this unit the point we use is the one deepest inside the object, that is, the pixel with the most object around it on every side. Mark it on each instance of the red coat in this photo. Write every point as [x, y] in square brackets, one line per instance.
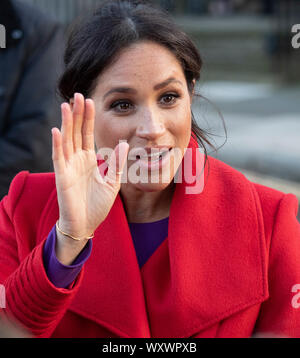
[228, 268]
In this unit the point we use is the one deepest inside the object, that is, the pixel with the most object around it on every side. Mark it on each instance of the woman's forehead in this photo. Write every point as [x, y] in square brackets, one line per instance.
[142, 62]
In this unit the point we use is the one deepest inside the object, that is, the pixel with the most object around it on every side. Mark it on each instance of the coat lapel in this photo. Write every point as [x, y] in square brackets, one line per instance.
[213, 263]
[211, 266]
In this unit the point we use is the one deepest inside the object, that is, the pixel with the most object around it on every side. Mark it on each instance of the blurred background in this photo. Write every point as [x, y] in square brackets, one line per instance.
[250, 77]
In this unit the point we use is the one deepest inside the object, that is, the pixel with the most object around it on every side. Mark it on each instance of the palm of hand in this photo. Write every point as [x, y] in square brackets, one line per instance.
[84, 197]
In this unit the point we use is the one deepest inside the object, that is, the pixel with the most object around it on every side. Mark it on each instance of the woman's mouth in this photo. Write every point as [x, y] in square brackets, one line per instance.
[154, 156]
[154, 161]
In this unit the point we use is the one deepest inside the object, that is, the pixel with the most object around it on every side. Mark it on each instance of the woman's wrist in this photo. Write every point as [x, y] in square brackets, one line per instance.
[68, 231]
[67, 249]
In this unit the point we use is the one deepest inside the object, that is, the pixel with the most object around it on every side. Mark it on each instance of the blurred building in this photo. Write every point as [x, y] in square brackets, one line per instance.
[238, 38]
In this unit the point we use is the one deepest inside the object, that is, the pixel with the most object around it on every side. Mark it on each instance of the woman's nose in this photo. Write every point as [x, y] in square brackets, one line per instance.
[150, 125]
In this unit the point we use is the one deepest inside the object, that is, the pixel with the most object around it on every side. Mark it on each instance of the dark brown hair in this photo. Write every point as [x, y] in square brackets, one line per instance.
[96, 41]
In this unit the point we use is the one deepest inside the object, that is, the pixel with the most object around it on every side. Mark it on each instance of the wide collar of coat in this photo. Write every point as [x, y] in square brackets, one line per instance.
[211, 265]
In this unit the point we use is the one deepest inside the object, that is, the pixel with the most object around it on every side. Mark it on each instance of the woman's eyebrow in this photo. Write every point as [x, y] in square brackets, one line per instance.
[166, 82]
[120, 90]
[133, 91]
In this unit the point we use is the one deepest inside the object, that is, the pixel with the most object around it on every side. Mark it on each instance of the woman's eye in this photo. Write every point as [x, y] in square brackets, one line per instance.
[121, 106]
[170, 98]
[125, 106]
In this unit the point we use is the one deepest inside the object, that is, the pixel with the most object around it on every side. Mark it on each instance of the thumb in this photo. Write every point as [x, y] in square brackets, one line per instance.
[116, 163]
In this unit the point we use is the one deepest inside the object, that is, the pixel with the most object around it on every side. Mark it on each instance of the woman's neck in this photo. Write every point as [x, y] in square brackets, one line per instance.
[142, 207]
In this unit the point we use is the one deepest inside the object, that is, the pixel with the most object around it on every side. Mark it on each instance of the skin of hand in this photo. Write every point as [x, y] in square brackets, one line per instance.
[84, 196]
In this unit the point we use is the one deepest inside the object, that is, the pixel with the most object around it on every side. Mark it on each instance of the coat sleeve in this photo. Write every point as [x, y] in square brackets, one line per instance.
[31, 301]
[280, 314]
[33, 107]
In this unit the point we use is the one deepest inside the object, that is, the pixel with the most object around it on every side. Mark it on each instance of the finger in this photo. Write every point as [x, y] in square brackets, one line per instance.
[116, 163]
[88, 142]
[57, 151]
[78, 114]
[66, 130]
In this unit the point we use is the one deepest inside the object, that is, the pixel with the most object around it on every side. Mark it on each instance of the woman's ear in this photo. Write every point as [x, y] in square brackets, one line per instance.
[194, 84]
[192, 90]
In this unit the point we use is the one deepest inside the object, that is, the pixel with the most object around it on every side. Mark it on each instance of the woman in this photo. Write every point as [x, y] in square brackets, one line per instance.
[85, 253]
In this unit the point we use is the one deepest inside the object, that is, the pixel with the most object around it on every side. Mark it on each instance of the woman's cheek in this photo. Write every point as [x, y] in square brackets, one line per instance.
[109, 130]
[99, 133]
[181, 123]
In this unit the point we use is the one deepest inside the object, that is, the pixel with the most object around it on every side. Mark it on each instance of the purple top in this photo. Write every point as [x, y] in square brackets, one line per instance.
[147, 237]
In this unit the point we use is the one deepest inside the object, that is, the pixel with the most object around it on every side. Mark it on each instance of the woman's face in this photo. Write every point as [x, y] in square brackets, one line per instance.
[142, 98]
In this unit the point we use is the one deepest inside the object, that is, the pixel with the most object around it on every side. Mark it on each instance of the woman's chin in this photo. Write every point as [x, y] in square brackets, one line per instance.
[151, 187]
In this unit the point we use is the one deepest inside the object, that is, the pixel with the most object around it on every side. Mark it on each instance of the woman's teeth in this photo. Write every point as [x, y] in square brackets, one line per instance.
[155, 156]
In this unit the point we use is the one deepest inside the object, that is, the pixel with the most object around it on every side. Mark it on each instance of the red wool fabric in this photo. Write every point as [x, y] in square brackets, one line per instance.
[226, 269]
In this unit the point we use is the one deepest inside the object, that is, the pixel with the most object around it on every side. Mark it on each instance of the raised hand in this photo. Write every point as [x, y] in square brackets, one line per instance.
[84, 196]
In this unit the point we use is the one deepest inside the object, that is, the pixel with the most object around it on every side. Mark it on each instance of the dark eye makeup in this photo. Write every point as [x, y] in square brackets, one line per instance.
[124, 105]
